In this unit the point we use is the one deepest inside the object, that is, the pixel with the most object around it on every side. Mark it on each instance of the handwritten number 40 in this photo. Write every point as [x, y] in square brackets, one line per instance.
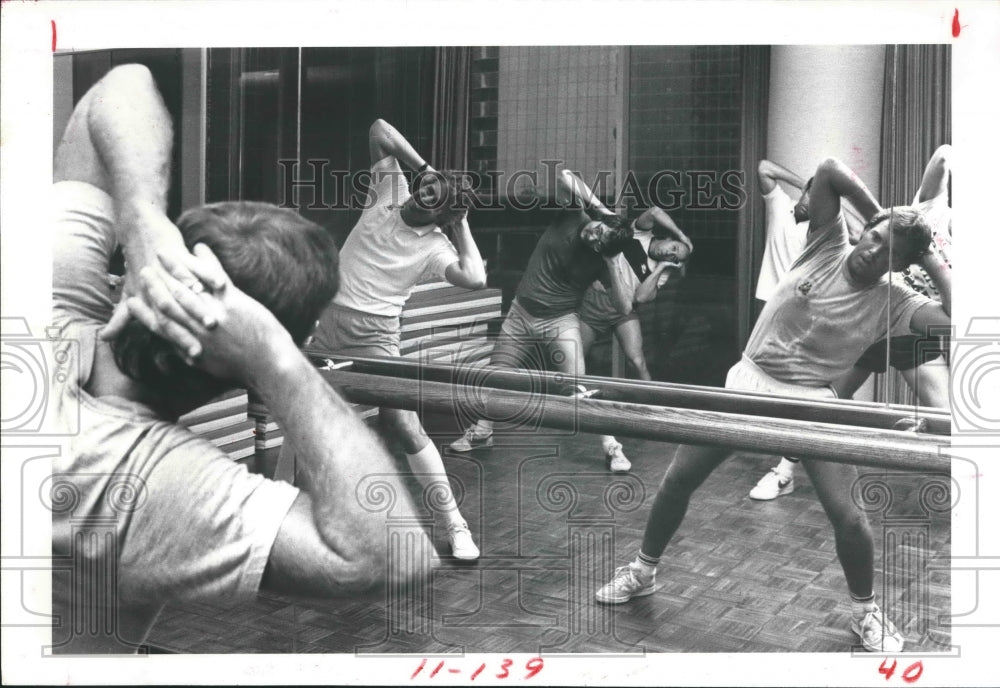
[910, 674]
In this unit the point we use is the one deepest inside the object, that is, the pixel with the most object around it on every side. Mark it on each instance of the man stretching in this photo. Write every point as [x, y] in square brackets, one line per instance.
[923, 367]
[397, 243]
[156, 512]
[823, 314]
[582, 244]
[651, 261]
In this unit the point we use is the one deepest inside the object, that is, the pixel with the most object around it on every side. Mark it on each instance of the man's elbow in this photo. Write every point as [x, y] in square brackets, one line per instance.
[132, 78]
[942, 154]
[828, 166]
[368, 566]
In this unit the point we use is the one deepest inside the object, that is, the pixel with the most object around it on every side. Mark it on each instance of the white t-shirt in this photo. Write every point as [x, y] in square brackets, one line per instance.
[383, 257]
[783, 242]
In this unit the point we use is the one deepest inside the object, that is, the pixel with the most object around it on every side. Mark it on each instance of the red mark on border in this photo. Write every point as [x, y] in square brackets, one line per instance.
[956, 28]
[53, 35]
[913, 672]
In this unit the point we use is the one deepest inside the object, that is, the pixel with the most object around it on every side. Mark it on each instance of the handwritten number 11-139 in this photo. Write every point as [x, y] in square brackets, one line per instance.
[532, 667]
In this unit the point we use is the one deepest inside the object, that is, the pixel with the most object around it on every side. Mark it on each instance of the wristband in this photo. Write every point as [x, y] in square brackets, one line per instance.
[423, 167]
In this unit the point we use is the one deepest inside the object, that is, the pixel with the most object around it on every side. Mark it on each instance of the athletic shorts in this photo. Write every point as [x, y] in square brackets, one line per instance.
[905, 353]
[598, 311]
[346, 331]
[527, 341]
[747, 376]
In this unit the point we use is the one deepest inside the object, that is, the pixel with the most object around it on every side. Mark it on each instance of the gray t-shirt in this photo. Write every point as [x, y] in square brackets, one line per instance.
[560, 268]
[170, 513]
[817, 323]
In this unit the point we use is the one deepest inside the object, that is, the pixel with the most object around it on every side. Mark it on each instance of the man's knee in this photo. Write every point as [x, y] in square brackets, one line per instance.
[851, 524]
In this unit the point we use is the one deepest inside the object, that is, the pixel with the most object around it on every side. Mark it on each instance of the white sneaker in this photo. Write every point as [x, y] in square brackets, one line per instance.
[877, 633]
[626, 584]
[616, 460]
[773, 485]
[462, 545]
[470, 440]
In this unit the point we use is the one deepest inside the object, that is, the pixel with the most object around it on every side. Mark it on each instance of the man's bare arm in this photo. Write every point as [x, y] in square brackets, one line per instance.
[833, 182]
[936, 174]
[330, 543]
[570, 188]
[383, 140]
[657, 217]
[468, 270]
[770, 173]
[119, 140]
[647, 289]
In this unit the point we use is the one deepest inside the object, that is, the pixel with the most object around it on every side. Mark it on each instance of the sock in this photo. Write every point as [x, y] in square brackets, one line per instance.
[786, 466]
[484, 428]
[645, 564]
[429, 470]
[608, 442]
[861, 605]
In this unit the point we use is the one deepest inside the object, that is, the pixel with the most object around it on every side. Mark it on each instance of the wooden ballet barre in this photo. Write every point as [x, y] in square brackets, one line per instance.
[873, 448]
[837, 412]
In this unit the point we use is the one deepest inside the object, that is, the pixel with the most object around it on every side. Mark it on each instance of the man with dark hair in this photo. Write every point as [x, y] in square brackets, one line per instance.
[584, 243]
[826, 310]
[923, 367]
[146, 511]
[398, 243]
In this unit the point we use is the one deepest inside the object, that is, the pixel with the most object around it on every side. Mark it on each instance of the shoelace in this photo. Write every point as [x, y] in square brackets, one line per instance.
[625, 574]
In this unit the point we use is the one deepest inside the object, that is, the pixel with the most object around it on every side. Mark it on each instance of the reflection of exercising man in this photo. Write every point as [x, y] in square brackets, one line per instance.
[581, 245]
[157, 513]
[647, 264]
[823, 314]
[396, 244]
[922, 367]
[651, 261]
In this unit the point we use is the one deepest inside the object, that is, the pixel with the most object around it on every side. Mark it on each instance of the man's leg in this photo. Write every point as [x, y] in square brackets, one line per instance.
[508, 352]
[587, 336]
[931, 382]
[855, 550]
[566, 355]
[629, 335]
[781, 479]
[691, 465]
[425, 461]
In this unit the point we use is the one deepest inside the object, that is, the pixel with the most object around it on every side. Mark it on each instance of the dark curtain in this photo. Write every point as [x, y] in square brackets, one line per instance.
[404, 92]
[449, 136]
[755, 77]
[916, 119]
[916, 116]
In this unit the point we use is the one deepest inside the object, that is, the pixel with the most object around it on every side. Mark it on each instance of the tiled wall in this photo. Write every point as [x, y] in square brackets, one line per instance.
[483, 106]
[559, 103]
[684, 117]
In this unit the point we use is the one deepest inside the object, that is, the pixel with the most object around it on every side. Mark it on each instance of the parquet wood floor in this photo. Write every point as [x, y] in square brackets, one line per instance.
[740, 576]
